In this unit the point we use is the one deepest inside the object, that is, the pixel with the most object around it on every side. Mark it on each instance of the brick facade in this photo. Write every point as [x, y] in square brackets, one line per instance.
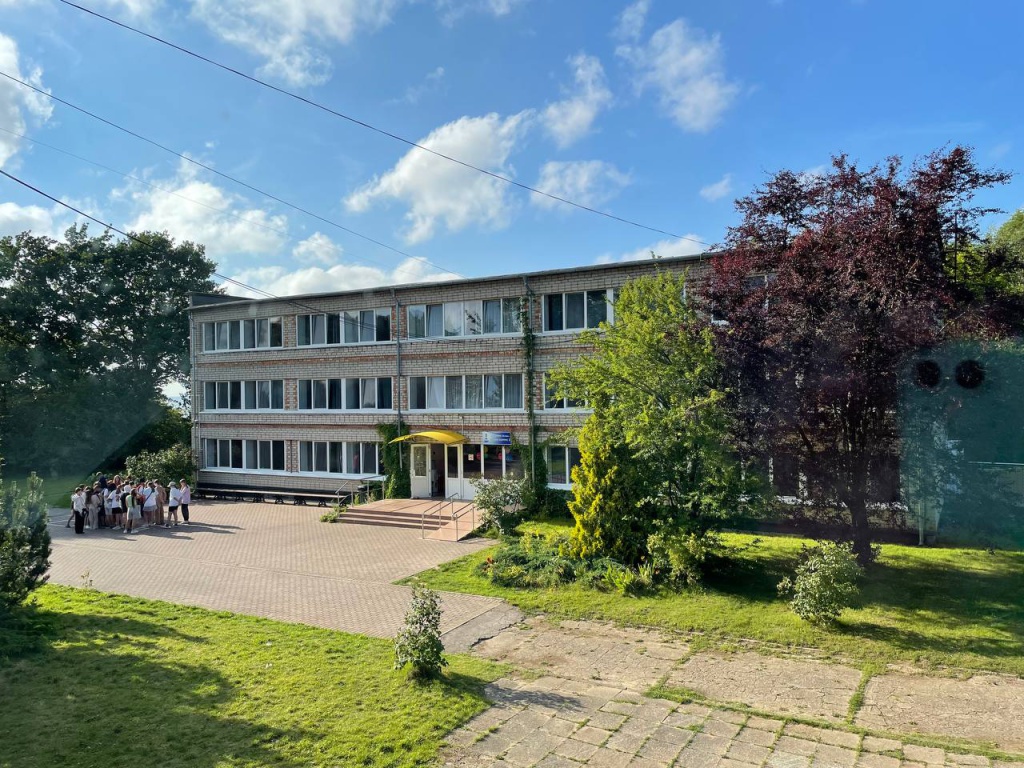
[400, 358]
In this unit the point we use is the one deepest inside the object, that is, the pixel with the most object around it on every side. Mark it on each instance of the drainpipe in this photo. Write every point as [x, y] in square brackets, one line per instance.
[194, 402]
[530, 380]
[398, 366]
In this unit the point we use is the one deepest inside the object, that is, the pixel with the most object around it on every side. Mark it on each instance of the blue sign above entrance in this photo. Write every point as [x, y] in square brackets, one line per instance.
[497, 438]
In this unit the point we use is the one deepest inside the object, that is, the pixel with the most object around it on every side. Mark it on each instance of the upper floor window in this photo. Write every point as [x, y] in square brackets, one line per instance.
[552, 401]
[463, 318]
[261, 333]
[345, 394]
[243, 395]
[575, 311]
[493, 391]
[340, 458]
[364, 326]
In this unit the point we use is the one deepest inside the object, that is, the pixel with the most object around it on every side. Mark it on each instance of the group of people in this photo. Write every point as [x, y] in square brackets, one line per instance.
[128, 504]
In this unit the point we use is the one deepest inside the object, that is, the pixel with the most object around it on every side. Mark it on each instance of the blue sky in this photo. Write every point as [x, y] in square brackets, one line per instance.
[661, 112]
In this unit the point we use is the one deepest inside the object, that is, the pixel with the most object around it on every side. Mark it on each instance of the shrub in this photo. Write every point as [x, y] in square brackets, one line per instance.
[335, 514]
[170, 464]
[24, 541]
[419, 642]
[825, 583]
[688, 557]
[531, 561]
[501, 500]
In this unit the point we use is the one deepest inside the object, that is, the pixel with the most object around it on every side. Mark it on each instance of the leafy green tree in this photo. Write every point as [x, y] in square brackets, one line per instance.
[24, 541]
[654, 452]
[171, 464]
[92, 329]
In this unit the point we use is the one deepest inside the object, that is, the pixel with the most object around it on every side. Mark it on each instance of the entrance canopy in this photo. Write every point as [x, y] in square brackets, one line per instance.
[442, 436]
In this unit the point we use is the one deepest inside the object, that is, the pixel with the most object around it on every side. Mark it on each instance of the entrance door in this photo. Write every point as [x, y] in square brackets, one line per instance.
[420, 472]
[453, 470]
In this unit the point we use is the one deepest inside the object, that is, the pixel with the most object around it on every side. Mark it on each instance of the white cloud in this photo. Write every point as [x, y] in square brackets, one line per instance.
[453, 10]
[665, 249]
[414, 93]
[289, 35]
[18, 104]
[50, 222]
[718, 190]
[440, 191]
[569, 120]
[281, 281]
[197, 210]
[136, 8]
[632, 19]
[318, 248]
[588, 182]
[685, 67]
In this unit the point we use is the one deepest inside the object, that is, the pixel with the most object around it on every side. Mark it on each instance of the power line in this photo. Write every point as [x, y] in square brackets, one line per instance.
[233, 179]
[371, 127]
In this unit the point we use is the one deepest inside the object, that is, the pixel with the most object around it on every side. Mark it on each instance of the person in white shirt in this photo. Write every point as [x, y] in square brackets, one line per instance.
[173, 501]
[113, 505]
[186, 499]
[78, 508]
[149, 502]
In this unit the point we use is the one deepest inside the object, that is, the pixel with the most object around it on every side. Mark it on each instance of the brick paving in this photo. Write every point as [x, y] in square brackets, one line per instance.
[277, 561]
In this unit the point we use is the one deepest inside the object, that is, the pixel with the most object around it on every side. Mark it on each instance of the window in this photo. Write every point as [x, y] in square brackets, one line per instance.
[456, 393]
[236, 395]
[210, 396]
[384, 393]
[243, 454]
[335, 394]
[319, 393]
[352, 394]
[493, 464]
[368, 393]
[249, 395]
[350, 327]
[551, 400]
[561, 460]
[242, 334]
[348, 394]
[463, 318]
[575, 311]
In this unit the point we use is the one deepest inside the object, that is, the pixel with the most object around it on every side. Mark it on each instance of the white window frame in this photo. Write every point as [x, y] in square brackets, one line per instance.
[243, 385]
[262, 330]
[345, 400]
[376, 312]
[325, 446]
[567, 485]
[245, 445]
[460, 308]
[465, 377]
[563, 400]
[609, 313]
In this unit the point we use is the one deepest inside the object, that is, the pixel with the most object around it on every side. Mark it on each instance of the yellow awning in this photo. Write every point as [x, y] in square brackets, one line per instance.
[442, 436]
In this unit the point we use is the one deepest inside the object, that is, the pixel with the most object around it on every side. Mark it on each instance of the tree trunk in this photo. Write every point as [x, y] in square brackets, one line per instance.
[861, 530]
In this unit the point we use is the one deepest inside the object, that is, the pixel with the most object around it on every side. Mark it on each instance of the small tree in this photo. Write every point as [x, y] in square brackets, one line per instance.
[655, 451]
[501, 499]
[419, 642]
[24, 541]
[395, 458]
[825, 583]
[170, 464]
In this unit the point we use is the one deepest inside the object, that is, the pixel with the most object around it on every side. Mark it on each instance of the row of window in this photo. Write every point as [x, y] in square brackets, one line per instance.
[361, 327]
[340, 458]
[243, 395]
[243, 454]
[264, 333]
[345, 394]
[441, 393]
[456, 393]
[562, 312]
[464, 318]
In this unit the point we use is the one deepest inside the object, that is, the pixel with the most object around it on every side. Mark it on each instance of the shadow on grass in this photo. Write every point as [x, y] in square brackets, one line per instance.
[106, 690]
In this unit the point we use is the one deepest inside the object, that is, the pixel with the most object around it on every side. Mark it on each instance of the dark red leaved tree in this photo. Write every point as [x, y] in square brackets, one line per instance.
[829, 283]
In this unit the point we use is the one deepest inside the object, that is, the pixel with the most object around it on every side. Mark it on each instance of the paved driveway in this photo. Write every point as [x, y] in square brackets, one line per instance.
[268, 560]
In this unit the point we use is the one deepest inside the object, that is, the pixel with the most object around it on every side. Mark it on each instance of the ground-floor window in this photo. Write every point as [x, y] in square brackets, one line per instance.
[340, 458]
[243, 454]
[561, 459]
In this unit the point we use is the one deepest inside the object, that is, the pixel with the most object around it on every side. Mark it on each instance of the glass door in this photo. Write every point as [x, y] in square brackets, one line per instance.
[420, 472]
[453, 471]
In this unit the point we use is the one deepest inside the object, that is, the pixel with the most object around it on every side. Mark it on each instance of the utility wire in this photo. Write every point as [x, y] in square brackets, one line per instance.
[375, 129]
[233, 179]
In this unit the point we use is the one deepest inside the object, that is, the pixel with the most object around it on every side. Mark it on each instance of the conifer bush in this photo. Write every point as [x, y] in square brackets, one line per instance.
[418, 644]
[24, 541]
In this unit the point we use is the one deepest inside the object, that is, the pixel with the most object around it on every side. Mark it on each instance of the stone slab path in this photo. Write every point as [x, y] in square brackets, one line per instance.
[579, 700]
[787, 686]
[269, 560]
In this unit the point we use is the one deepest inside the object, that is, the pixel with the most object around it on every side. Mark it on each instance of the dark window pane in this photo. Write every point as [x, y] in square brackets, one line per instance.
[249, 388]
[351, 327]
[276, 332]
[263, 394]
[368, 393]
[223, 453]
[370, 458]
[209, 337]
[492, 462]
[597, 308]
[553, 317]
[305, 394]
[452, 452]
[318, 329]
[513, 390]
[470, 461]
[574, 460]
[236, 395]
[222, 335]
[513, 463]
[236, 455]
[319, 393]
[334, 329]
[574, 310]
[334, 394]
[492, 316]
[383, 325]
[248, 334]
[277, 394]
[235, 334]
[278, 450]
[263, 333]
[336, 458]
[320, 457]
[305, 456]
[556, 465]
[265, 454]
[223, 395]
[352, 394]
[453, 392]
[251, 461]
[303, 330]
[384, 393]
[550, 400]
[210, 396]
[417, 393]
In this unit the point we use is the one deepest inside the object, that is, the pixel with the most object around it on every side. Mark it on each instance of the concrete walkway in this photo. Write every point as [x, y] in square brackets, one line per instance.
[271, 560]
[588, 707]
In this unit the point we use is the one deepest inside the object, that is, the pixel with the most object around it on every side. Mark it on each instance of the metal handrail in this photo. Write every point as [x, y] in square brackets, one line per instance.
[463, 513]
[438, 506]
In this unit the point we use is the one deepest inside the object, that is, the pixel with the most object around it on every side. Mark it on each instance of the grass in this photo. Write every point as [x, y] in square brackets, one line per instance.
[934, 607]
[124, 681]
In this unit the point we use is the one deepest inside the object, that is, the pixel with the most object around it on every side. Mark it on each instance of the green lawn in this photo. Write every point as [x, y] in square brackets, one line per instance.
[932, 606]
[128, 682]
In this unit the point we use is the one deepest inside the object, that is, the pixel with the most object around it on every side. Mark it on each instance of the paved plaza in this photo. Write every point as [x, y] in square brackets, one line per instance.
[277, 561]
